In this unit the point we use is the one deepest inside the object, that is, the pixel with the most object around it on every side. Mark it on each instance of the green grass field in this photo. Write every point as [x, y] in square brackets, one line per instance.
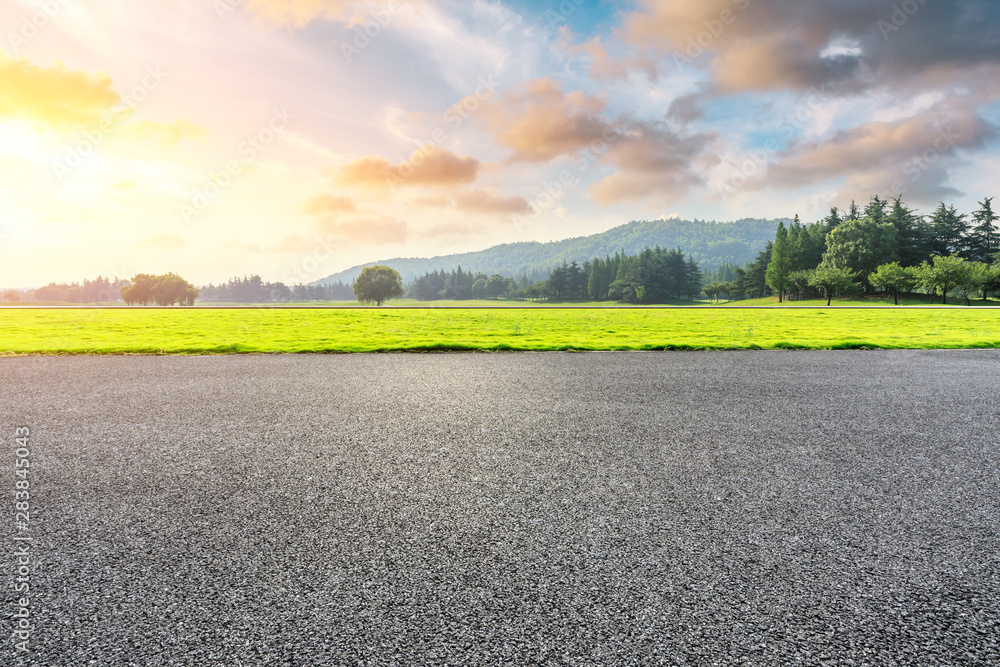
[401, 303]
[870, 301]
[195, 331]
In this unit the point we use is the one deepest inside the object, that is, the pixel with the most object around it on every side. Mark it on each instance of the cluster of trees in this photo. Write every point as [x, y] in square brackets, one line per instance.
[255, 290]
[101, 289]
[841, 253]
[741, 282]
[654, 275]
[940, 276]
[164, 290]
[461, 285]
[12, 295]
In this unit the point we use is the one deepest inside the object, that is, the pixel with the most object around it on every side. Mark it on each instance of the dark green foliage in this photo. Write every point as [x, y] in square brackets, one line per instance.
[875, 211]
[984, 241]
[833, 220]
[782, 260]
[255, 290]
[569, 282]
[655, 275]
[913, 234]
[457, 285]
[853, 213]
[861, 246]
[949, 231]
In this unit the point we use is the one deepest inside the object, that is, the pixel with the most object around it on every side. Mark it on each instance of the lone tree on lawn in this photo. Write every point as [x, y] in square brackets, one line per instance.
[377, 284]
[166, 290]
[894, 278]
[832, 280]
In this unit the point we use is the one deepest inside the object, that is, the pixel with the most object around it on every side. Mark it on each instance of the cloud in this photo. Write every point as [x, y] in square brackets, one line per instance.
[371, 231]
[686, 108]
[482, 201]
[54, 96]
[293, 244]
[923, 184]
[430, 166]
[452, 232]
[298, 13]
[172, 242]
[603, 66]
[432, 202]
[540, 122]
[654, 162]
[165, 134]
[844, 46]
[321, 204]
[884, 156]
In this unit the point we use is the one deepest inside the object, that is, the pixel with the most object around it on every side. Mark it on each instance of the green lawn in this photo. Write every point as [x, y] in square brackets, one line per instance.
[195, 331]
[401, 303]
[870, 301]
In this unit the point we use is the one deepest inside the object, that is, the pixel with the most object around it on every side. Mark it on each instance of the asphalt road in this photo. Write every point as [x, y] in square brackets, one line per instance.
[619, 508]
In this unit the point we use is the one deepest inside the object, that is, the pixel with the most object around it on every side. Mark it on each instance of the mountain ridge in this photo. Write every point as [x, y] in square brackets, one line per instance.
[709, 243]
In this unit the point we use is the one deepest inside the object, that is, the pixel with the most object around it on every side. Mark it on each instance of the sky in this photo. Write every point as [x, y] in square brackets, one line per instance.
[296, 138]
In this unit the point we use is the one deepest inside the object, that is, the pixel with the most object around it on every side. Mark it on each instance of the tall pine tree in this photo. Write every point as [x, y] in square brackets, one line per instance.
[913, 234]
[781, 263]
[949, 229]
[984, 240]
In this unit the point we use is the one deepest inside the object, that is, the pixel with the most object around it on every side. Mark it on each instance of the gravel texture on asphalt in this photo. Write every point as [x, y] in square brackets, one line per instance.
[588, 509]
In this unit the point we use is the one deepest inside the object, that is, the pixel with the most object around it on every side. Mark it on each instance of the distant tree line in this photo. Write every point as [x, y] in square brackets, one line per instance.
[655, 275]
[463, 285]
[255, 290]
[99, 290]
[887, 246]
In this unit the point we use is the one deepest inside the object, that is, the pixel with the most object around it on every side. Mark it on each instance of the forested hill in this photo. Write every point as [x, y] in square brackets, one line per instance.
[709, 243]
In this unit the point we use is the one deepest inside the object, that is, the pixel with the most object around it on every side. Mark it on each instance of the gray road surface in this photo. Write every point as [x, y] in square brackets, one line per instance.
[622, 508]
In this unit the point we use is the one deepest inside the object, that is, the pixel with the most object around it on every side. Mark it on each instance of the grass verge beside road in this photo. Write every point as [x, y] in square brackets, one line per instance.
[194, 331]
